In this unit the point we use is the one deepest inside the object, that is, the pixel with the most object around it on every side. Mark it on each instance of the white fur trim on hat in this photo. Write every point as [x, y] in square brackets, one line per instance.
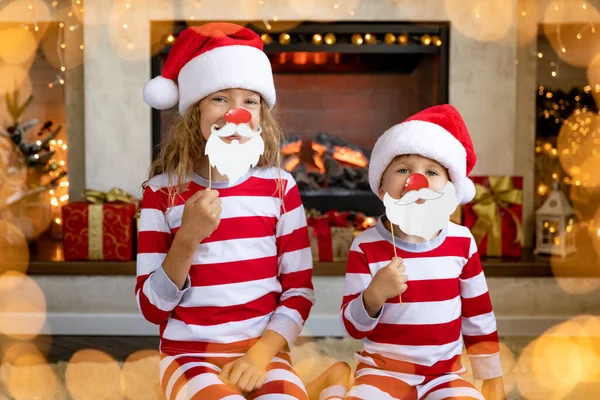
[161, 93]
[428, 140]
[228, 67]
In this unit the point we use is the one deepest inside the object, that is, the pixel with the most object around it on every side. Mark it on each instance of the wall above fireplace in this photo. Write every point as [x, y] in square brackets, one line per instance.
[346, 82]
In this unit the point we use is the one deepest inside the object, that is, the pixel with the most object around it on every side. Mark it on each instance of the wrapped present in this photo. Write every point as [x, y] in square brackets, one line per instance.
[101, 228]
[495, 215]
[331, 235]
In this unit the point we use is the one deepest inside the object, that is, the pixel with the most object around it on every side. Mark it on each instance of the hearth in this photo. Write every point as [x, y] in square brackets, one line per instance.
[339, 86]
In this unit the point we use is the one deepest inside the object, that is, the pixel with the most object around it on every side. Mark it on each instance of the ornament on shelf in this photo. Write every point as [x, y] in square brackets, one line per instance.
[555, 220]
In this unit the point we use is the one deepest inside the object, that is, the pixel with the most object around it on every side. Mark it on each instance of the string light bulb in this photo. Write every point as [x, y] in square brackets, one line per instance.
[389, 38]
[357, 39]
[426, 40]
[284, 38]
[403, 39]
[317, 39]
[330, 39]
[266, 38]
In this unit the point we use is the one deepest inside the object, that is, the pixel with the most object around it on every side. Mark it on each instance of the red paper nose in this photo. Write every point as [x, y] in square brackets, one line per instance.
[416, 182]
[238, 116]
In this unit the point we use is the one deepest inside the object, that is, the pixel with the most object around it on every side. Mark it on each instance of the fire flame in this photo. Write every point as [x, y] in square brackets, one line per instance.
[292, 148]
[291, 163]
[320, 149]
[350, 156]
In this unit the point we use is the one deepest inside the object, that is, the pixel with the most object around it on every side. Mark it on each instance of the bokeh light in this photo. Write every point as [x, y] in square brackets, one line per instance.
[139, 377]
[16, 45]
[483, 20]
[22, 306]
[578, 141]
[578, 273]
[527, 21]
[569, 29]
[93, 374]
[13, 172]
[29, 376]
[12, 77]
[562, 359]
[32, 215]
[14, 251]
[128, 27]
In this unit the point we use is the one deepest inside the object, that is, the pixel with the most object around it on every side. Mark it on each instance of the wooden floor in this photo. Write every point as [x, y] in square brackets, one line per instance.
[62, 348]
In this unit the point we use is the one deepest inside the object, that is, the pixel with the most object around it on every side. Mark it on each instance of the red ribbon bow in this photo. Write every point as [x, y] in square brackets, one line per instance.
[322, 231]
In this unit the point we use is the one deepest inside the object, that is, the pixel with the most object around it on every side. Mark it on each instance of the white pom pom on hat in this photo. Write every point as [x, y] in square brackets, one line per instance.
[161, 93]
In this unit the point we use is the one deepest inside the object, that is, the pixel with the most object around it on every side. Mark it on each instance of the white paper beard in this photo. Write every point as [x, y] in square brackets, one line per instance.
[422, 220]
[234, 160]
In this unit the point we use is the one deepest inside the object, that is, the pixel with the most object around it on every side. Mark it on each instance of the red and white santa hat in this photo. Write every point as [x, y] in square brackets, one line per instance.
[438, 133]
[208, 58]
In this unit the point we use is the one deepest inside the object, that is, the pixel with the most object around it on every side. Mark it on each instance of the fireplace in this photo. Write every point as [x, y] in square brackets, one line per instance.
[339, 86]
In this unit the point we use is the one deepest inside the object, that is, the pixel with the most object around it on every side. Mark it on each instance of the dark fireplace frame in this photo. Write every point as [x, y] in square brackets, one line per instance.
[300, 41]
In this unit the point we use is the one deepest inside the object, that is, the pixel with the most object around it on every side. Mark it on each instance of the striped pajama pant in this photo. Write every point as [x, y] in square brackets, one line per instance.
[188, 376]
[374, 383]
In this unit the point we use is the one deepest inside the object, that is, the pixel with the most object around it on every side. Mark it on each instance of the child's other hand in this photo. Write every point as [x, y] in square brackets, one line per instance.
[244, 375]
[201, 215]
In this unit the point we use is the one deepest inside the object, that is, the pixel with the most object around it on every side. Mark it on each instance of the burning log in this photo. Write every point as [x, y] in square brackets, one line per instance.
[334, 172]
[304, 180]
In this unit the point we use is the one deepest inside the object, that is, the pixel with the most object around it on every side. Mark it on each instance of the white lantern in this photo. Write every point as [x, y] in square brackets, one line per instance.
[555, 221]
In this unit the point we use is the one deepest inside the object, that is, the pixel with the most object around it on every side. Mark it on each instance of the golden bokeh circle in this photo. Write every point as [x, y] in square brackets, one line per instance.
[578, 140]
[483, 20]
[31, 377]
[17, 45]
[568, 27]
[14, 251]
[139, 378]
[24, 305]
[93, 374]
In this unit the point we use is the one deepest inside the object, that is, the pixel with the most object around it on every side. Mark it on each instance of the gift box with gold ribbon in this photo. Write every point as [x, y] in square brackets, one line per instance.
[495, 215]
[100, 228]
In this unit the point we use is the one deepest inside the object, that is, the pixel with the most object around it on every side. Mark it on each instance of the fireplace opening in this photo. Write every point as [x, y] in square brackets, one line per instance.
[340, 85]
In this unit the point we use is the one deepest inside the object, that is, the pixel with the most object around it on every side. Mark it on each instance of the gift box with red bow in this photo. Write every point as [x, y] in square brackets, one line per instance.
[331, 235]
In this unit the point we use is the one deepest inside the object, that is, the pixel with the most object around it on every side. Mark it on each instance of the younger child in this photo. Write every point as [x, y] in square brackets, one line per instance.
[224, 263]
[415, 311]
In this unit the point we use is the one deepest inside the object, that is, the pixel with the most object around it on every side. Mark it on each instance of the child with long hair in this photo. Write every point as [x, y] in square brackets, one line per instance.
[224, 263]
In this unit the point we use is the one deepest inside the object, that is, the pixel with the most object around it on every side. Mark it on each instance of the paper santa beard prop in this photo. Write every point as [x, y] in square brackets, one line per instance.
[425, 219]
[225, 150]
